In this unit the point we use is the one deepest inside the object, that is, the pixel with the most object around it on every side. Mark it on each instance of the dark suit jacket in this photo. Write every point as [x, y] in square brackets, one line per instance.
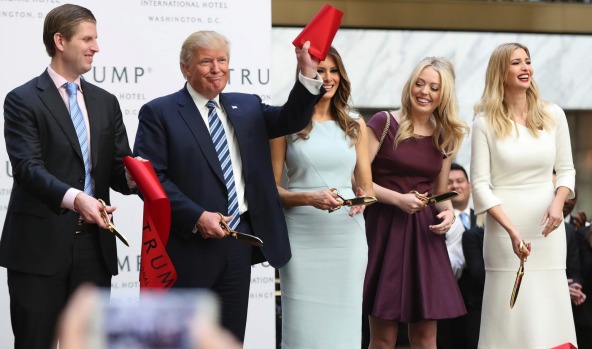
[46, 161]
[572, 262]
[173, 136]
[583, 312]
[474, 275]
[473, 218]
[465, 281]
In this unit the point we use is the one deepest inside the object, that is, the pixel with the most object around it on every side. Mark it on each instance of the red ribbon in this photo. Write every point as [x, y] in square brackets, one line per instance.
[565, 346]
[156, 269]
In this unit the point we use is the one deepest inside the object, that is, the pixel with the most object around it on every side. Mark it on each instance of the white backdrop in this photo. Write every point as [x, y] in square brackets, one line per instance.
[139, 45]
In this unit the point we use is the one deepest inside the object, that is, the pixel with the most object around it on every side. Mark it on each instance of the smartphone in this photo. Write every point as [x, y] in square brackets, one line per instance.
[157, 320]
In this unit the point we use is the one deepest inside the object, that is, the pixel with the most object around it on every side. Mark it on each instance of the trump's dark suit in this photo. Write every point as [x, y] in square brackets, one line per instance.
[173, 136]
[46, 161]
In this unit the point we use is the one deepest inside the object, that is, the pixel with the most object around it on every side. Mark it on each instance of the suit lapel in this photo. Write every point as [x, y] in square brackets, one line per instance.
[55, 104]
[94, 120]
[241, 130]
[232, 110]
[194, 121]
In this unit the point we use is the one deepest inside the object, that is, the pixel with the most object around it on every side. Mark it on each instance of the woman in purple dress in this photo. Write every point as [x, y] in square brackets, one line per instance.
[409, 277]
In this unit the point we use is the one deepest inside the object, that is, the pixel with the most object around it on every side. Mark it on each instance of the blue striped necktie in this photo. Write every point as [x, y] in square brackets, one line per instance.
[80, 127]
[221, 145]
[464, 218]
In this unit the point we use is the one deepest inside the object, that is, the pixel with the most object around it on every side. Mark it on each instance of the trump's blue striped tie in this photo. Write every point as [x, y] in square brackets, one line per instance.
[80, 127]
[221, 145]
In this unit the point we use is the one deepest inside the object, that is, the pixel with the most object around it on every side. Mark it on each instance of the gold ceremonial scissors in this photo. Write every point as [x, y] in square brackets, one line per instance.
[363, 200]
[110, 226]
[248, 238]
[429, 200]
[519, 274]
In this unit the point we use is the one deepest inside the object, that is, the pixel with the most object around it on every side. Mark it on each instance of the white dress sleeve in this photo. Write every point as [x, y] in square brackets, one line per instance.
[483, 197]
[454, 247]
[564, 167]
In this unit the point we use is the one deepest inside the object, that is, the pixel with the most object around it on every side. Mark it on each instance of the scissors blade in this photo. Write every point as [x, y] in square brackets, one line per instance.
[248, 238]
[110, 226]
[120, 236]
[442, 197]
[517, 283]
[364, 200]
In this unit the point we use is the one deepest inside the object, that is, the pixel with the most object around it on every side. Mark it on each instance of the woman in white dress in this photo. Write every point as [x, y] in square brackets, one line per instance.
[322, 283]
[517, 141]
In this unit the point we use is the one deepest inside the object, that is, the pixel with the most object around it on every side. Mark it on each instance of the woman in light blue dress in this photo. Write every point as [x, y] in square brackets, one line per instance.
[322, 283]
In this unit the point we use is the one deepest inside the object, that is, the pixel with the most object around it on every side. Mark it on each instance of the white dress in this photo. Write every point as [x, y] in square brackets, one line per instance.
[516, 173]
[322, 283]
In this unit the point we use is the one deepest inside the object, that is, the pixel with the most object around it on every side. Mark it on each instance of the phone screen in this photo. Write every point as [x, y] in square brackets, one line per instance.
[155, 321]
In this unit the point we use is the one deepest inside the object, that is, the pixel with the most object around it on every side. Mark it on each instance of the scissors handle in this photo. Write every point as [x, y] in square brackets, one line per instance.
[521, 246]
[110, 226]
[248, 238]
[421, 197]
[362, 200]
[223, 225]
[105, 215]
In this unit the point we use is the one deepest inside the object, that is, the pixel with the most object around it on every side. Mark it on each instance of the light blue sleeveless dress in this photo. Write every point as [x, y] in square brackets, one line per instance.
[322, 284]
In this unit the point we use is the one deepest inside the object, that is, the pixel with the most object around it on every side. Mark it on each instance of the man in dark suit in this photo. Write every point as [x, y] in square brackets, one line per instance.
[456, 333]
[583, 310]
[572, 262]
[578, 268]
[473, 283]
[458, 180]
[579, 220]
[174, 134]
[54, 236]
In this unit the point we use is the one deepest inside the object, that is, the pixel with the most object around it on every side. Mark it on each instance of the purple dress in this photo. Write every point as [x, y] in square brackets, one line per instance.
[409, 277]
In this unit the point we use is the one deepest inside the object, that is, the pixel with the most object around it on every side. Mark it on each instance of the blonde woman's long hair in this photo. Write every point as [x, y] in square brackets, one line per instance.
[450, 130]
[493, 105]
[339, 105]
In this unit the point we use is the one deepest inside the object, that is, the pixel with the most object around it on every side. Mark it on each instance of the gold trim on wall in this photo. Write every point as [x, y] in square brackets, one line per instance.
[468, 15]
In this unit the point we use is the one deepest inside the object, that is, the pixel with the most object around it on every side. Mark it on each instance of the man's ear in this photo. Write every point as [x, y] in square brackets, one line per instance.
[183, 70]
[59, 41]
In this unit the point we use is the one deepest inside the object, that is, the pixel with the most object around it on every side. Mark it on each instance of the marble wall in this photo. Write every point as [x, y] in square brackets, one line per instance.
[379, 62]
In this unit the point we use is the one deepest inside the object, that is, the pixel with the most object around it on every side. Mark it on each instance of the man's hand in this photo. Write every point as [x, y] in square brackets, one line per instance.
[208, 225]
[307, 63]
[575, 292]
[130, 181]
[579, 220]
[90, 209]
